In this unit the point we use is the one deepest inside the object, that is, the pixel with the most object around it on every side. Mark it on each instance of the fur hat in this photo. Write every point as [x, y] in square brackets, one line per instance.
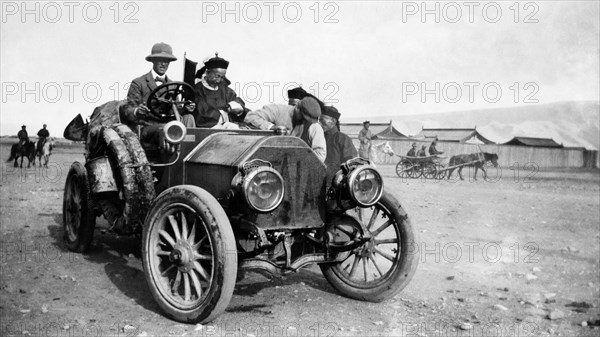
[332, 112]
[297, 93]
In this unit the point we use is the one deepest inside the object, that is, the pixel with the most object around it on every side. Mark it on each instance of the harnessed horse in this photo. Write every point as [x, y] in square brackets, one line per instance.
[24, 149]
[44, 148]
[474, 159]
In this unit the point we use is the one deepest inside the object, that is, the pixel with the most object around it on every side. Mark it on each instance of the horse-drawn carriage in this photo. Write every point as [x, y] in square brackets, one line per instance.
[429, 167]
[436, 167]
[229, 199]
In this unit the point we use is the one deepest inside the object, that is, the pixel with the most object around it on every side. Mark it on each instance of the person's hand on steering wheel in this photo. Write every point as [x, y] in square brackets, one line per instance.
[141, 111]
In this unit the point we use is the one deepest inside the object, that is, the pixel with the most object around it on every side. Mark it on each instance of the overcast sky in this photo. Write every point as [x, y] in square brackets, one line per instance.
[372, 58]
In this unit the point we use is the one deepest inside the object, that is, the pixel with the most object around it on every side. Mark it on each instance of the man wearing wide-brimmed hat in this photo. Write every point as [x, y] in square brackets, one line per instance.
[134, 111]
[22, 135]
[216, 103]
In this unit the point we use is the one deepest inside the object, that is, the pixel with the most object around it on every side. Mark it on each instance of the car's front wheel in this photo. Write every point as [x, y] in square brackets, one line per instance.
[386, 263]
[189, 254]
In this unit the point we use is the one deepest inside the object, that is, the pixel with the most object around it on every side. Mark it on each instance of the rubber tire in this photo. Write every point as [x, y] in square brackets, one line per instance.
[87, 220]
[224, 278]
[404, 270]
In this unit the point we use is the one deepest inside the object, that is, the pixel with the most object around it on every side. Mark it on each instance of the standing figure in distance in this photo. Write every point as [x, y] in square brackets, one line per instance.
[365, 136]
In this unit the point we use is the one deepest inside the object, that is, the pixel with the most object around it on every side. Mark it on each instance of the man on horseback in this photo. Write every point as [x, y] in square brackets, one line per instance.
[23, 136]
[23, 149]
[43, 135]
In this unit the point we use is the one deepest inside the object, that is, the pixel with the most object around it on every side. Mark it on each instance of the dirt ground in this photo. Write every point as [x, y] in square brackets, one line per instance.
[513, 257]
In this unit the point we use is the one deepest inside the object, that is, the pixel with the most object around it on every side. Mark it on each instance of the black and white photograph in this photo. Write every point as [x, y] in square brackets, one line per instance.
[300, 168]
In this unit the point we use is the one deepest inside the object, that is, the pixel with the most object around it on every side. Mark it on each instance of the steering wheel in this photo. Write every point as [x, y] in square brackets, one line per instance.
[163, 98]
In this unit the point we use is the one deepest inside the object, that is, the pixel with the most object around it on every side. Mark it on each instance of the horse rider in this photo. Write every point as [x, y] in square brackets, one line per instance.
[135, 112]
[365, 136]
[432, 150]
[23, 136]
[43, 135]
[413, 151]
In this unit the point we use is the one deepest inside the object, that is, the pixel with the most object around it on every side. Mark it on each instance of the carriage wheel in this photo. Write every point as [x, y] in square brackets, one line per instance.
[414, 171]
[79, 220]
[189, 254]
[441, 172]
[430, 171]
[384, 265]
[403, 168]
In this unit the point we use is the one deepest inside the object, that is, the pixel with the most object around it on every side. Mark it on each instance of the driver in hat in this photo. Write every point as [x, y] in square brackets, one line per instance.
[134, 111]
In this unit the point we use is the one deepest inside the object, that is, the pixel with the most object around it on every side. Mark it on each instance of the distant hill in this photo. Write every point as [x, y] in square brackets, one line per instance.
[570, 123]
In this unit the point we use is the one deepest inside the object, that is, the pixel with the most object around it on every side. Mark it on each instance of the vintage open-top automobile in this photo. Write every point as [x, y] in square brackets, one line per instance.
[232, 199]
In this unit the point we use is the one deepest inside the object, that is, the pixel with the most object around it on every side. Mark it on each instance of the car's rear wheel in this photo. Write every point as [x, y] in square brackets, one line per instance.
[189, 254]
[79, 220]
[386, 263]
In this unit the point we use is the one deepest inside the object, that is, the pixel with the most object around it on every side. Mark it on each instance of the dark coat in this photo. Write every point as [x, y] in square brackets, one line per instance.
[209, 102]
[22, 135]
[43, 133]
[339, 149]
[433, 150]
[138, 94]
